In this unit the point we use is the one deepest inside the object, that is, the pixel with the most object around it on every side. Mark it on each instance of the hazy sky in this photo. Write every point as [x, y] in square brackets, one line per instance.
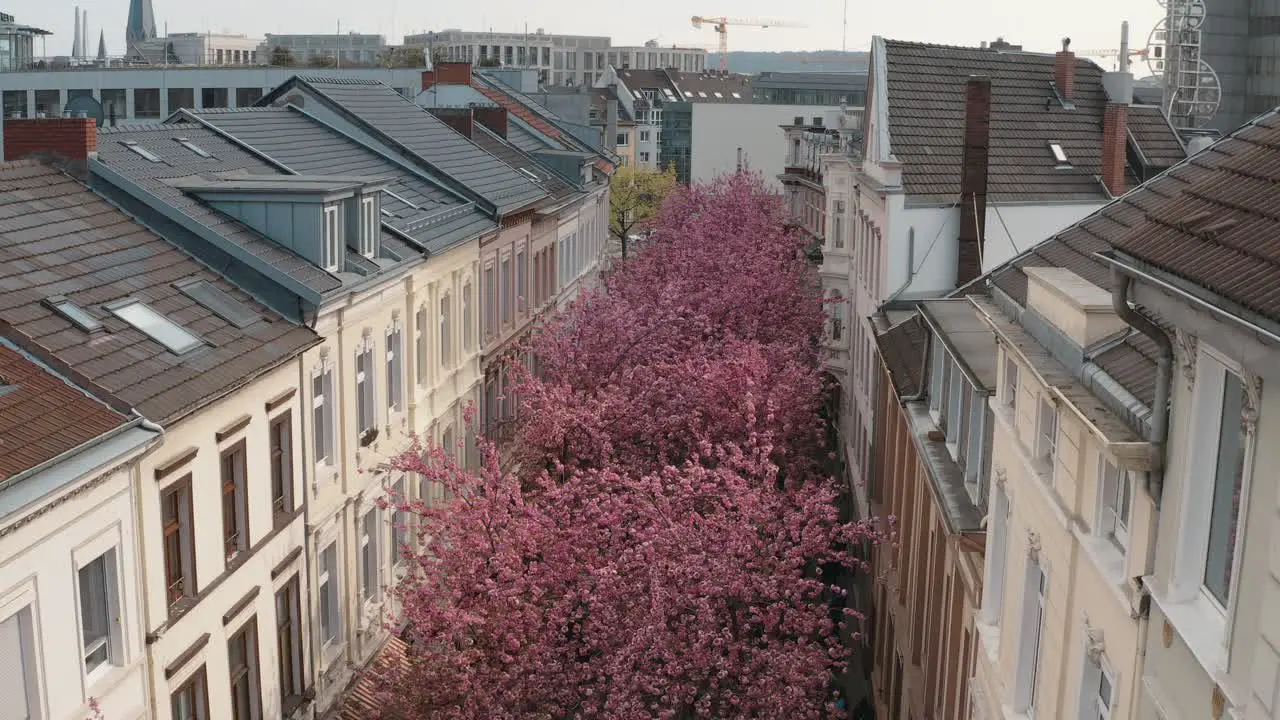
[1037, 24]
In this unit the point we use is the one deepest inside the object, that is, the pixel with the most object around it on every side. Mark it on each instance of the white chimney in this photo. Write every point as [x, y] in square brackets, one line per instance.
[75, 40]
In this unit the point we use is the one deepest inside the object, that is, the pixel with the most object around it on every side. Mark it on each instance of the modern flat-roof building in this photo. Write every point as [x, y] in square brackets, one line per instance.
[348, 48]
[810, 88]
[152, 93]
[195, 48]
[17, 44]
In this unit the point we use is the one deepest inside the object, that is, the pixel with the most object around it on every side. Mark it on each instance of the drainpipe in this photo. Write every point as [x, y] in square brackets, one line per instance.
[1120, 283]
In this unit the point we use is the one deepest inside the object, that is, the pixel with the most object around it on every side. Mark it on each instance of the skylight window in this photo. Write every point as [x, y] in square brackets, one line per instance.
[194, 148]
[145, 153]
[73, 313]
[1059, 155]
[717, 94]
[218, 302]
[737, 96]
[156, 326]
[636, 93]
[388, 213]
[701, 94]
[529, 174]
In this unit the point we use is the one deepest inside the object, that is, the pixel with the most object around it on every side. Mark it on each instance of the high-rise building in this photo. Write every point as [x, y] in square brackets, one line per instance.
[142, 22]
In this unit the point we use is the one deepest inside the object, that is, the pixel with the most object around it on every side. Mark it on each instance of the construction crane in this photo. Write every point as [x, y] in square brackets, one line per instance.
[721, 25]
[1112, 53]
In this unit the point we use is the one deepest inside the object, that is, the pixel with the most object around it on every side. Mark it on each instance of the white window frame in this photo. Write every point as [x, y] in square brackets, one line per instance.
[1009, 384]
[644, 136]
[468, 317]
[1197, 506]
[997, 557]
[22, 611]
[369, 226]
[1030, 636]
[370, 575]
[446, 330]
[327, 583]
[1115, 502]
[400, 531]
[112, 640]
[322, 435]
[1046, 439]
[366, 406]
[1092, 706]
[422, 345]
[394, 368]
[331, 238]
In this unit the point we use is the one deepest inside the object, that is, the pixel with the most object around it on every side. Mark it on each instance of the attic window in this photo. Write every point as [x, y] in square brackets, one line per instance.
[75, 314]
[529, 174]
[1059, 155]
[701, 94]
[194, 148]
[736, 95]
[156, 326]
[218, 302]
[145, 153]
[717, 94]
[388, 213]
[370, 226]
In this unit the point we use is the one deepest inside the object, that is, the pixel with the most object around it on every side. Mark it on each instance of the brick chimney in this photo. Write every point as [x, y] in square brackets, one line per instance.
[1064, 70]
[64, 138]
[1118, 85]
[973, 178]
[447, 73]
[494, 118]
[459, 119]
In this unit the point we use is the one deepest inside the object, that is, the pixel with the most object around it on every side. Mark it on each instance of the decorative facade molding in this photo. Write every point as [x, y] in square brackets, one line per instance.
[1251, 402]
[1094, 645]
[1188, 349]
[1001, 477]
[1033, 545]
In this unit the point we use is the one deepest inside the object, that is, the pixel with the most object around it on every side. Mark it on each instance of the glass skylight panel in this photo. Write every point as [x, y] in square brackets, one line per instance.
[737, 96]
[184, 142]
[529, 174]
[74, 314]
[218, 302]
[701, 94]
[157, 327]
[717, 94]
[145, 153]
[1058, 154]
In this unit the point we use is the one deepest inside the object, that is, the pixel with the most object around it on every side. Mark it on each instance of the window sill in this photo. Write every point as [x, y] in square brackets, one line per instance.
[331, 654]
[1201, 626]
[1110, 562]
[989, 636]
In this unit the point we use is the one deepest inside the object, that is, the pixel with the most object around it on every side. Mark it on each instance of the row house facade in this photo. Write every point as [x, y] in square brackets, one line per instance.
[372, 241]
[964, 158]
[179, 610]
[1112, 389]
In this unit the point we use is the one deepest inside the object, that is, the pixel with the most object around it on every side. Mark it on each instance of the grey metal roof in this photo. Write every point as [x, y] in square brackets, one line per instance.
[966, 335]
[436, 217]
[552, 184]
[404, 123]
[179, 162]
[520, 134]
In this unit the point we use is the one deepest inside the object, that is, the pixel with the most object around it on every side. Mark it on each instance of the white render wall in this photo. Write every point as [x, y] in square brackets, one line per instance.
[39, 562]
[720, 129]
[219, 590]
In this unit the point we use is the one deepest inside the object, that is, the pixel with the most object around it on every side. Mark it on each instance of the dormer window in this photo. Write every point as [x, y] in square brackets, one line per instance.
[331, 241]
[369, 226]
[1059, 155]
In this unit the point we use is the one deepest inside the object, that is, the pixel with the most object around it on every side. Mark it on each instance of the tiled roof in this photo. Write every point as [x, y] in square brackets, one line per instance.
[524, 137]
[1151, 130]
[1221, 228]
[703, 87]
[178, 161]
[538, 117]
[403, 122]
[42, 416]
[59, 238]
[902, 347]
[361, 701]
[557, 189]
[307, 146]
[926, 123]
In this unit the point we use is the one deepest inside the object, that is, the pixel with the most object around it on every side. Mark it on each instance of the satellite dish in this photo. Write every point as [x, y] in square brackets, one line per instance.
[84, 105]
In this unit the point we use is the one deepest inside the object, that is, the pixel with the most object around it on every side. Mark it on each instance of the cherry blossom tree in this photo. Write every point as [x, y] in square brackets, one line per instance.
[662, 544]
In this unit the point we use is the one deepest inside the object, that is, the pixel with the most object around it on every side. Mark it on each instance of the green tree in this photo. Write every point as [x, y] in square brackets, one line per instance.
[282, 57]
[488, 62]
[634, 198]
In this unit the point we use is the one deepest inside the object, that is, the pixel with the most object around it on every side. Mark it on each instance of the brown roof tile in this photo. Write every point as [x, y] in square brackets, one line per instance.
[105, 257]
[42, 416]
[926, 121]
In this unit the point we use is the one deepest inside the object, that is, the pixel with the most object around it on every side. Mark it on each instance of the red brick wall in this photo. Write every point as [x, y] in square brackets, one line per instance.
[457, 118]
[453, 73]
[68, 138]
[1115, 138]
[1064, 73]
[494, 118]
